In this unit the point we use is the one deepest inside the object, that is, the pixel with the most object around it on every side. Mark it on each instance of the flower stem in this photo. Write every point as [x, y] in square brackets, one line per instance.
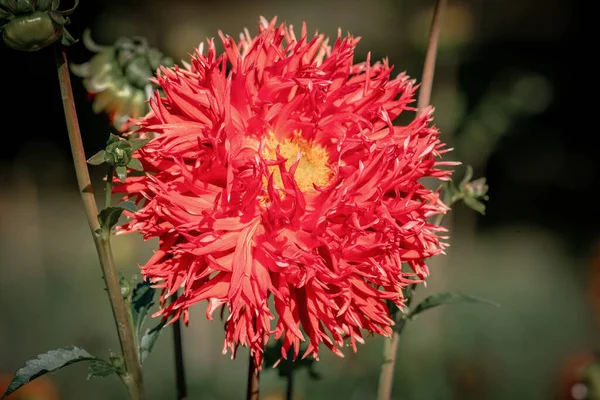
[178, 350]
[133, 376]
[290, 375]
[430, 56]
[253, 380]
[390, 348]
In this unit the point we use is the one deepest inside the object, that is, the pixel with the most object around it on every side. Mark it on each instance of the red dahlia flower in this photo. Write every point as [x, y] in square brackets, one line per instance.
[276, 175]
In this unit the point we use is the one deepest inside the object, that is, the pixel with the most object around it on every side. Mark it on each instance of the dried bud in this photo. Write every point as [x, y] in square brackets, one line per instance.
[30, 25]
[118, 77]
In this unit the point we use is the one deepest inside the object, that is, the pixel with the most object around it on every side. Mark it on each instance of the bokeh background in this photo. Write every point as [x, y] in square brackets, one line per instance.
[511, 94]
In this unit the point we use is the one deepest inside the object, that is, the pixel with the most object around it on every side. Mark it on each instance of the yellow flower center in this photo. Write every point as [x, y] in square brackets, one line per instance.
[312, 167]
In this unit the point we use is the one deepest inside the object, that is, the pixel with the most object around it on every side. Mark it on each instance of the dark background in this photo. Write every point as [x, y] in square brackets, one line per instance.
[513, 95]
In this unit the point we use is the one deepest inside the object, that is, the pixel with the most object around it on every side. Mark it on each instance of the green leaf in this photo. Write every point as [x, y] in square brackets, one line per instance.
[121, 173]
[475, 204]
[97, 158]
[136, 164]
[46, 363]
[109, 217]
[441, 299]
[137, 144]
[101, 368]
[273, 360]
[129, 206]
[141, 302]
[149, 339]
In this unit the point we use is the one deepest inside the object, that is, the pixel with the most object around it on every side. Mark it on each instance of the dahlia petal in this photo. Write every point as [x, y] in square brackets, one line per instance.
[238, 223]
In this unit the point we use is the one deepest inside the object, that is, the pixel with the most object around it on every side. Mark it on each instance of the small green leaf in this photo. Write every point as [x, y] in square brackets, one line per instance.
[129, 206]
[121, 173]
[46, 363]
[441, 299]
[109, 217]
[101, 368]
[467, 177]
[141, 302]
[149, 339]
[97, 158]
[137, 144]
[475, 204]
[136, 164]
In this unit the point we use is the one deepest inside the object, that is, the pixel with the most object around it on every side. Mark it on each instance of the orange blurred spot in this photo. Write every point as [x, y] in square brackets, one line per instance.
[41, 388]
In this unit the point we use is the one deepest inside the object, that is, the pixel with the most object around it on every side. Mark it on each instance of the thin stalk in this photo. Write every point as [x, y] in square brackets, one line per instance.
[108, 192]
[133, 376]
[290, 364]
[180, 381]
[290, 375]
[430, 56]
[253, 380]
[289, 394]
[386, 377]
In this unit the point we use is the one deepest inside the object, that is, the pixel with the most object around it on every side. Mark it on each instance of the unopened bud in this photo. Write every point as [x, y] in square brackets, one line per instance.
[30, 25]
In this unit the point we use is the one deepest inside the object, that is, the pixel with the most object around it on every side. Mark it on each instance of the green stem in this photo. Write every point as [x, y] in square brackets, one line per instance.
[180, 381]
[108, 193]
[386, 377]
[133, 377]
[289, 392]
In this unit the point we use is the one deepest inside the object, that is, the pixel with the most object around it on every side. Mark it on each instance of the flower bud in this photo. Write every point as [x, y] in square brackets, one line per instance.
[477, 188]
[118, 77]
[30, 25]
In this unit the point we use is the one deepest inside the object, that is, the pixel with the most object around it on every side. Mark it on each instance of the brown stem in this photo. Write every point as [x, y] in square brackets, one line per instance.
[386, 377]
[430, 56]
[133, 376]
[253, 380]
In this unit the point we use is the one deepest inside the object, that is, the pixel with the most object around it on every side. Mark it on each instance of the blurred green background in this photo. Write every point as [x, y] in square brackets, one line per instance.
[506, 93]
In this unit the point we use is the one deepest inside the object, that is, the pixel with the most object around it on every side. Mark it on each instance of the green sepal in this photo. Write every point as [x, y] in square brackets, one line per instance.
[121, 173]
[66, 39]
[135, 164]
[22, 6]
[475, 204]
[57, 17]
[5, 15]
[43, 5]
[72, 9]
[98, 158]
[137, 144]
